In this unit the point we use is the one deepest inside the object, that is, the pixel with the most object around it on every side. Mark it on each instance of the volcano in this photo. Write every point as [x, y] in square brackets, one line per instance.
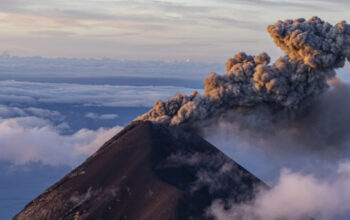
[147, 171]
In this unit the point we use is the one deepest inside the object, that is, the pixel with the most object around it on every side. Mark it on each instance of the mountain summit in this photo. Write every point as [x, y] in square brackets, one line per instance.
[147, 171]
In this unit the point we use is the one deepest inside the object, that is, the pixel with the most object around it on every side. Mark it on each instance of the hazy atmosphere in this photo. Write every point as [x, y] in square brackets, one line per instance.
[272, 94]
[206, 30]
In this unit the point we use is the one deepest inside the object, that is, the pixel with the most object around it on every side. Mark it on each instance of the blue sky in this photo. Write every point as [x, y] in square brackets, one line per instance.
[202, 30]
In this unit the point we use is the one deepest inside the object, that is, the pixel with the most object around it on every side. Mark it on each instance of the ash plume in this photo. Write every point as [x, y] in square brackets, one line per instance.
[314, 49]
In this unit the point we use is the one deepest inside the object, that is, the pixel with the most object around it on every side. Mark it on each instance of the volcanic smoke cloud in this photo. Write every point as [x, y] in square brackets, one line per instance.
[314, 49]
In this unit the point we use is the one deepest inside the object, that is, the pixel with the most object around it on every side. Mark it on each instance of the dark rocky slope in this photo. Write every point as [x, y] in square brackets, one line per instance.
[146, 171]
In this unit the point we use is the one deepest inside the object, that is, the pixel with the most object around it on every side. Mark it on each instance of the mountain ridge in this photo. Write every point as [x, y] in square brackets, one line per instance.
[146, 171]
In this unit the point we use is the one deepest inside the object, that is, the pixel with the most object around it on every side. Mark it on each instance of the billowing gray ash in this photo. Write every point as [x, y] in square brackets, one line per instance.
[314, 49]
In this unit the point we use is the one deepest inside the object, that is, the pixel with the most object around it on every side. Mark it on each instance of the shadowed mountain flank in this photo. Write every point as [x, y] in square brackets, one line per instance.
[147, 171]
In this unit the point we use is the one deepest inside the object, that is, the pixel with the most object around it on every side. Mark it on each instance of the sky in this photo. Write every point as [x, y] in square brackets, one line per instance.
[200, 30]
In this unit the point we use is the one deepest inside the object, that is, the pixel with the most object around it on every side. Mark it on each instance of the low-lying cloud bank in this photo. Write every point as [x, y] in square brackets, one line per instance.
[90, 95]
[31, 139]
[296, 196]
[15, 66]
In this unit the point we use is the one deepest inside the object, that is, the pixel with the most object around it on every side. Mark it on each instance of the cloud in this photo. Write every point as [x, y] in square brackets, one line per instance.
[344, 3]
[183, 8]
[134, 25]
[295, 196]
[14, 67]
[51, 33]
[100, 117]
[241, 24]
[89, 95]
[9, 111]
[272, 3]
[44, 113]
[31, 139]
[119, 14]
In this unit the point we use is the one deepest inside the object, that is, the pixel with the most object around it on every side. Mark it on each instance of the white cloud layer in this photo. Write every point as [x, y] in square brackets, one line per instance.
[31, 139]
[90, 95]
[296, 196]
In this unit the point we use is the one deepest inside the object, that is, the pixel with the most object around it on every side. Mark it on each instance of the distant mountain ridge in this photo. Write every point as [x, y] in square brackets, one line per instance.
[146, 171]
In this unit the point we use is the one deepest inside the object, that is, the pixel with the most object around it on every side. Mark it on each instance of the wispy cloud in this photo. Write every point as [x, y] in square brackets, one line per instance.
[148, 24]
[100, 117]
[11, 111]
[51, 33]
[303, 5]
